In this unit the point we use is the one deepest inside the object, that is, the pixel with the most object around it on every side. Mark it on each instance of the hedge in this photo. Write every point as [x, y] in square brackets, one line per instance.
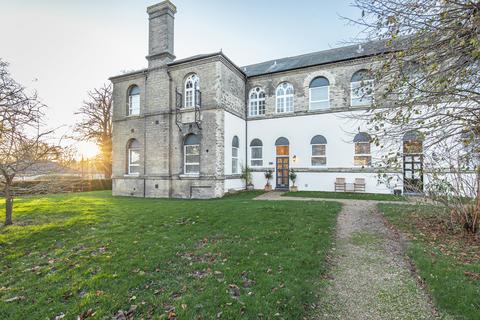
[59, 186]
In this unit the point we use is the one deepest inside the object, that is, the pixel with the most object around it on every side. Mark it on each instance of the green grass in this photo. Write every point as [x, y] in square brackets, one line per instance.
[345, 195]
[229, 258]
[441, 258]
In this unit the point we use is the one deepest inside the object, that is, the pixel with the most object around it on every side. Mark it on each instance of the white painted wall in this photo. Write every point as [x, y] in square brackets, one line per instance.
[234, 126]
[339, 130]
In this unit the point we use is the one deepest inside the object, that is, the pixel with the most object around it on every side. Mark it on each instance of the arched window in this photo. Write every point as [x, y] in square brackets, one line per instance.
[319, 93]
[192, 85]
[191, 154]
[256, 153]
[133, 157]
[361, 88]
[235, 148]
[363, 155]
[256, 104]
[284, 98]
[282, 146]
[133, 101]
[319, 155]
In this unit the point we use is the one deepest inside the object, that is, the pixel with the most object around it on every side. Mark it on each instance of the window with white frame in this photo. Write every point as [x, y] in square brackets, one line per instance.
[319, 93]
[256, 153]
[319, 151]
[361, 88]
[133, 157]
[256, 104]
[235, 149]
[284, 98]
[133, 101]
[191, 154]
[192, 84]
[363, 156]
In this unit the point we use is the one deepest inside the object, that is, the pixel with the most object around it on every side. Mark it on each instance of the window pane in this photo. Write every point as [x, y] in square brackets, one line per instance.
[134, 157]
[412, 147]
[362, 92]
[319, 94]
[234, 152]
[362, 160]
[192, 158]
[135, 104]
[282, 150]
[362, 148]
[256, 153]
[319, 161]
[192, 150]
[190, 168]
[318, 150]
[134, 169]
[234, 165]
[257, 163]
[261, 107]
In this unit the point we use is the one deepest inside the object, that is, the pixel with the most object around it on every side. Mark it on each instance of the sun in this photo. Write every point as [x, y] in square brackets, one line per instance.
[87, 149]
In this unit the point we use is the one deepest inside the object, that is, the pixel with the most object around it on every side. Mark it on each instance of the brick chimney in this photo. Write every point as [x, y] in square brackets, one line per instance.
[160, 33]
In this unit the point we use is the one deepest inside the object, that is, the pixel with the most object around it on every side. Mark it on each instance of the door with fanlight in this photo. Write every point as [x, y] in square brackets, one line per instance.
[282, 168]
[413, 164]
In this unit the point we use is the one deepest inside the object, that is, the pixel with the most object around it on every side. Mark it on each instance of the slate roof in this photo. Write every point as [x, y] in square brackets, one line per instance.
[317, 58]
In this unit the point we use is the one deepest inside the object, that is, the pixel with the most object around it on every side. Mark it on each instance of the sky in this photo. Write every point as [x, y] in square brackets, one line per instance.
[64, 48]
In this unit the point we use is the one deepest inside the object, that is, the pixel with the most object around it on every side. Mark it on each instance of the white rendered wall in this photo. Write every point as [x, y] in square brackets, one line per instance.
[234, 126]
[339, 130]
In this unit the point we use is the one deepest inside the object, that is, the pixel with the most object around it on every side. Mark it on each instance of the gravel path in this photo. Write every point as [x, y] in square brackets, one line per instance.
[369, 277]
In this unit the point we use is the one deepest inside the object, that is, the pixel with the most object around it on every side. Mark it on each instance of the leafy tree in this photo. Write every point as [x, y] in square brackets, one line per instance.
[428, 79]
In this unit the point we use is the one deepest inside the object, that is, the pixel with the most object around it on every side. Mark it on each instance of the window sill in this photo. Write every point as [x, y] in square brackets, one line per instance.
[131, 175]
[189, 175]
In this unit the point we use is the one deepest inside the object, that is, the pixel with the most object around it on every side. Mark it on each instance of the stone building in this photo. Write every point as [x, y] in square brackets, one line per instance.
[186, 128]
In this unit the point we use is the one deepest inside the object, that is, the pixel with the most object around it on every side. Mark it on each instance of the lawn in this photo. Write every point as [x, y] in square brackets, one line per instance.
[90, 253]
[345, 195]
[446, 259]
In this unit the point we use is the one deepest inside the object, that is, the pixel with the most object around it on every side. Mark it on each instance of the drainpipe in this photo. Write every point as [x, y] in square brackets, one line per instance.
[246, 126]
[170, 97]
[145, 139]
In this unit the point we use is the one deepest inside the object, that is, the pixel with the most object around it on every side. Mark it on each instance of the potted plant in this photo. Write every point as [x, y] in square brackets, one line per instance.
[293, 177]
[247, 176]
[268, 176]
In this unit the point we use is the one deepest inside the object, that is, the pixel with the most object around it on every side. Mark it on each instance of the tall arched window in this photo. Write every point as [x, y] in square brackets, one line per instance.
[133, 101]
[133, 157]
[235, 148]
[256, 104]
[191, 154]
[284, 98]
[319, 152]
[192, 84]
[363, 155]
[319, 93]
[256, 153]
[361, 88]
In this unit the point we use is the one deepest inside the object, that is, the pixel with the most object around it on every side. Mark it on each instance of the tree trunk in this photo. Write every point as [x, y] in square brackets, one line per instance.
[8, 206]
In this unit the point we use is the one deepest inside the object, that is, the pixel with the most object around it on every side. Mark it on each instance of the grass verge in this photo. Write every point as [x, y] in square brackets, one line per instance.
[91, 253]
[447, 260]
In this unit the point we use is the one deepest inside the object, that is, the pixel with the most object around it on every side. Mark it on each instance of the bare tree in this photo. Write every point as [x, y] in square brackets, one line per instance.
[22, 142]
[96, 124]
[429, 80]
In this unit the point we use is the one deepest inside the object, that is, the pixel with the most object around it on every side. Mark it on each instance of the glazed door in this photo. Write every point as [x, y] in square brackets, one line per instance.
[282, 173]
[413, 173]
